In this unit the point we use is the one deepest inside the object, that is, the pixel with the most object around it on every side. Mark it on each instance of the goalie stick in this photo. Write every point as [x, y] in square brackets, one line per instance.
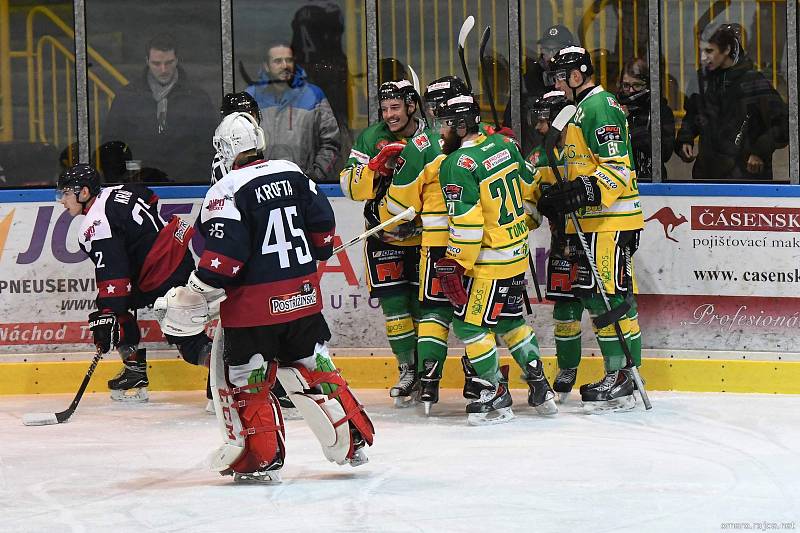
[372, 231]
[558, 124]
[45, 419]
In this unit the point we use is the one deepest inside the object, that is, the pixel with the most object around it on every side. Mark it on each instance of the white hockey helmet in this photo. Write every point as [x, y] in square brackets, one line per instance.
[237, 133]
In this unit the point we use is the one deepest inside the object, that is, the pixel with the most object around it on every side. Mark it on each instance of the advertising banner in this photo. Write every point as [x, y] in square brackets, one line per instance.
[714, 273]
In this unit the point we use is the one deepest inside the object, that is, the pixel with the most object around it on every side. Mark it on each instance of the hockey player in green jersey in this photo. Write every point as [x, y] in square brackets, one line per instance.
[601, 190]
[567, 308]
[392, 256]
[483, 270]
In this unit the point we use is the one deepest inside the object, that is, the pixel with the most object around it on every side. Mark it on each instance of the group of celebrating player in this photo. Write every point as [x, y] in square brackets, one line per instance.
[460, 260]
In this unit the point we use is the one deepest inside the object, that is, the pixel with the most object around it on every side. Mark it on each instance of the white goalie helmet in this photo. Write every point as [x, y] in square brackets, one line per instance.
[237, 133]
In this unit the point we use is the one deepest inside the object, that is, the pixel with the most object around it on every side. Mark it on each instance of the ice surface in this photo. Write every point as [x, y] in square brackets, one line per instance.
[694, 462]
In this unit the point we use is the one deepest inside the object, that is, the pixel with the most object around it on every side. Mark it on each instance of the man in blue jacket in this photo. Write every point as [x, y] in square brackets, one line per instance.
[297, 119]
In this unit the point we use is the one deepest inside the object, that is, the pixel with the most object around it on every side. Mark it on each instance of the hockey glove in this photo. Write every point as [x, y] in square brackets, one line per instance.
[450, 274]
[399, 232]
[105, 330]
[383, 163]
[568, 197]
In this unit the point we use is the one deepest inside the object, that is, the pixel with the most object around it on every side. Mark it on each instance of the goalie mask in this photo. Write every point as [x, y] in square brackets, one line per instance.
[237, 133]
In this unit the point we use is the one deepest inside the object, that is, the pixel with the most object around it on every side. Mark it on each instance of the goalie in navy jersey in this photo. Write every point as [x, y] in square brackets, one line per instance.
[137, 258]
[266, 225]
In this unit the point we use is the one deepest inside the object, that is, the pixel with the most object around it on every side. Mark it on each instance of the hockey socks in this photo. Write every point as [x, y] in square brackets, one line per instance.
[520, 340]
[400, 330]
[613, 354]
[567, 318]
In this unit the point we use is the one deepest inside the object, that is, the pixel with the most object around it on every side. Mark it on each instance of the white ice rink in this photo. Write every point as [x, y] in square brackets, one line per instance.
[694, 463]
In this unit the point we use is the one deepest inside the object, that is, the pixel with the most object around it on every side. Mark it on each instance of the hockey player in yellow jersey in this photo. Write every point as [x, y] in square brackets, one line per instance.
[482, 272]
[392, 257]
[601, 189]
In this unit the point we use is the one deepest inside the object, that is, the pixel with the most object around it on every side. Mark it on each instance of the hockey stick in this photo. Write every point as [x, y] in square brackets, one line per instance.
[490, 96]
[556, 127]
[486, 85]
[372, 231]
[415, 83]
[45, 419]
[466, 27]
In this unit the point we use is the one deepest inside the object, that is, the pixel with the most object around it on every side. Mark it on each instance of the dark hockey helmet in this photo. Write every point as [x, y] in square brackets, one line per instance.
[77, 177]
[460, 111]
[547, 107]
[398, 90]
[439, 91]
[565, 61]
[242, 102]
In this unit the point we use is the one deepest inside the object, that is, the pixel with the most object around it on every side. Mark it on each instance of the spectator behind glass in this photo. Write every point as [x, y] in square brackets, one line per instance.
[740, 118]
[163, 118]
[634, 96]
[297, 119]
[533, 85]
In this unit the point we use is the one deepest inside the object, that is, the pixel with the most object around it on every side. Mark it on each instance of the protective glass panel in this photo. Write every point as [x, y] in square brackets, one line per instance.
[615, 33]
[313, 55]
[424, 36]
[725, 72]
[38, 124]
[155, 81]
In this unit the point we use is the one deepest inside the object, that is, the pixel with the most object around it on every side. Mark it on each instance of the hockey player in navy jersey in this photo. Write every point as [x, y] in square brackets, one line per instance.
[266, 225]
[137, 258]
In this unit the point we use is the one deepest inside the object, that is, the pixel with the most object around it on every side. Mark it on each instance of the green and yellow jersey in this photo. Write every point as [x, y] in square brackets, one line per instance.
[597, 144]
[488, 233]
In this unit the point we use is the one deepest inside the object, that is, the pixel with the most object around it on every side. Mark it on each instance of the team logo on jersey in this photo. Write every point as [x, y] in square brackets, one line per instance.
[465, 161]
[608, 133]
[534, 157]
[452, 192]
[216, 204]
[90, 231]
[421, 142]
[497, 159]
[398, 165]
[613, 103]
[294, 301]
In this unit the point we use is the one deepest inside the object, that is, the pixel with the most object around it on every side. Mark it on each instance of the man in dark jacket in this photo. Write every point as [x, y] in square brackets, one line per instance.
[740, 118]
[297, 119]
[164, 119]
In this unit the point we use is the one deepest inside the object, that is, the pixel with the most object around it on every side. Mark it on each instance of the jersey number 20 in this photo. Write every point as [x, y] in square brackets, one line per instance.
[275, 241]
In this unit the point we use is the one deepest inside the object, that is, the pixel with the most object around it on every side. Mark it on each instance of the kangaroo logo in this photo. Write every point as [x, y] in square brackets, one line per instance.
[667, 217]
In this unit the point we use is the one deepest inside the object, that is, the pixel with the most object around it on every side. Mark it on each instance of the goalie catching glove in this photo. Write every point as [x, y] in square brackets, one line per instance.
[568, 197]
[450, 274]
[185, 311]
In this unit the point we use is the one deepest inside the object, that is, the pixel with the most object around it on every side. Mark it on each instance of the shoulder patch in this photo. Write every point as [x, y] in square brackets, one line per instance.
[465, 161]
[421, 141]
[609, 132]
[613, 103]
[452, 192]
[497, 159]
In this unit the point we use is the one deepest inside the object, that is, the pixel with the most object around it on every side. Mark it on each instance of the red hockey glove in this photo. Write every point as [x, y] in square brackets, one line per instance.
[383, 163]
[508, 132]
[450, 275]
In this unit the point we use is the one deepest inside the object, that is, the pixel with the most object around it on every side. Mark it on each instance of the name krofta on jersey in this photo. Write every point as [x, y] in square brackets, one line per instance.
[597, 144]
[488, 233]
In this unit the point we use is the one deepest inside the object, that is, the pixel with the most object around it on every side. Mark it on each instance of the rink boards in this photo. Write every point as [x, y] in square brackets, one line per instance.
[718, 275]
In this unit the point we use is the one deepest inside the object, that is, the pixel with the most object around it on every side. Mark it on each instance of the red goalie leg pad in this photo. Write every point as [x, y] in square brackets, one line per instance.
[262, 426]
[354, 412]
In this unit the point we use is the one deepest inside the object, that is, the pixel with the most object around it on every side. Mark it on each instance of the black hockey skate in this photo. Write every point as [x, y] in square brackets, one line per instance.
[472, 390]
[564, 382]
[268, 475]
[493, 405]
[405, 388]
[429, 385]
[130, 385]
[540, 395]
[613, 393]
